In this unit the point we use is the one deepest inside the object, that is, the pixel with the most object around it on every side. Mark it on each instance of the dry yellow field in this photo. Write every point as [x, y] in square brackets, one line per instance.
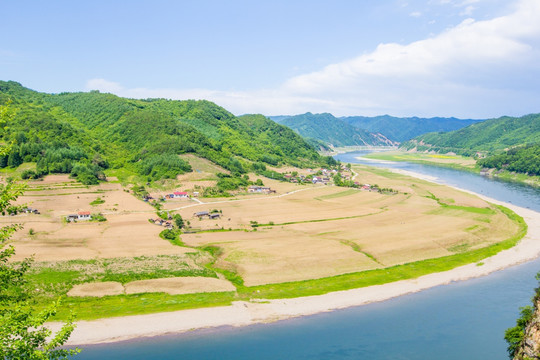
[126, 232]
[337, 230]
[173, 286]
[301, 232]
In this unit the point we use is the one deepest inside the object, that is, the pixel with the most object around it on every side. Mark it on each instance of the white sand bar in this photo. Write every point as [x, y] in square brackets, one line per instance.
[245, 313]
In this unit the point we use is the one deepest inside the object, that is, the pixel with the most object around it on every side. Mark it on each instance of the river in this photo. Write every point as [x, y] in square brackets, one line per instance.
[460, 321]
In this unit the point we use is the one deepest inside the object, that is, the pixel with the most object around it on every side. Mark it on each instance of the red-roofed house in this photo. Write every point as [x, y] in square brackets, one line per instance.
[180, 195]
[84, 215]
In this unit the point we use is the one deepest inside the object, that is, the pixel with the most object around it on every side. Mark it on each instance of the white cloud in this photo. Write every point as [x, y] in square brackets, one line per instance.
[104, 86]
[469, 57]
[415, 14]
[467, 11]
[475, 69]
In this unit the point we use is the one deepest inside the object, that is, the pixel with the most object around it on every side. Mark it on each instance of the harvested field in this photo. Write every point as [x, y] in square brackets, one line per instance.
[98, 289]
[179, 285]
[325, 230]
[173, 286]
[126, 232]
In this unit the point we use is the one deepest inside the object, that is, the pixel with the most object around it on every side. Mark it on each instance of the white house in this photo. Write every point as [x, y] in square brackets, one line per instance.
[84, 215]
[180, 195]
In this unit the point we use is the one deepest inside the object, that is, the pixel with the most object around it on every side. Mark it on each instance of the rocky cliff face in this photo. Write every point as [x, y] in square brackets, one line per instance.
[529, 349]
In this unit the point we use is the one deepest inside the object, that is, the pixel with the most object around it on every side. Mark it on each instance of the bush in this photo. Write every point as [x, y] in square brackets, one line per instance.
[29, 174]
[98, 217]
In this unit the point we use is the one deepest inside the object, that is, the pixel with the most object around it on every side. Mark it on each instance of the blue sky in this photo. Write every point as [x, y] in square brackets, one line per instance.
[464, 58]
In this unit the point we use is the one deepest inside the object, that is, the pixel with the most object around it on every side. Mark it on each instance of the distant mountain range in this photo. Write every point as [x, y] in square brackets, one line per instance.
[331, 130]
[362, 130]
[403, 129]
[490, 136]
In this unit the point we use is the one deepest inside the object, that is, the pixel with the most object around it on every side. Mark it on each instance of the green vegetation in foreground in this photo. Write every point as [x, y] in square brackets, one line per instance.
[93, 308]
[515, 336]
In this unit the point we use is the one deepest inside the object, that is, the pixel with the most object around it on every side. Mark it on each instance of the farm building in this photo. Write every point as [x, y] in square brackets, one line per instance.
[260, 189]
[200, 214]
[81, 215]
[84, 215]
[180, 195]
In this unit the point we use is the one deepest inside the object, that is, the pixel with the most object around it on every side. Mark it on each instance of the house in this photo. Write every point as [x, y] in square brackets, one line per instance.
[200, 214]
[180, 195]
[84, 215]
[260, 189]
[214, 216]
[317, 180]
[72, 217]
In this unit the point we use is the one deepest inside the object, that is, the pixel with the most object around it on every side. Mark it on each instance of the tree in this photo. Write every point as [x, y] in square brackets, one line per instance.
[178, 221]
[22, 333]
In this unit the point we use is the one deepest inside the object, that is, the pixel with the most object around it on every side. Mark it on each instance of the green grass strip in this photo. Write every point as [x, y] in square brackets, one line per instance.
[90, 308]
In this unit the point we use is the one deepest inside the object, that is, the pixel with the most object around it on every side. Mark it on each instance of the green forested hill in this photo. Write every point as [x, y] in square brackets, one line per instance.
[403, 129]
[331, 130]
[490, 136]
[88, 132]
[523, 159]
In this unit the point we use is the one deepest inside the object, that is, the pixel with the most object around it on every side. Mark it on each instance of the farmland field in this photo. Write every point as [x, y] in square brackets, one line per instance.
[302, 232]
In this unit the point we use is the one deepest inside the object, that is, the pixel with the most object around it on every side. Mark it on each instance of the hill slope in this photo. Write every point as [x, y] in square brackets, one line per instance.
[331, 130]
[403, 129]
[489, 136]
[98, 130]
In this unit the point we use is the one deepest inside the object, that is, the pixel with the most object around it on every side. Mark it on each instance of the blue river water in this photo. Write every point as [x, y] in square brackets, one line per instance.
[460, 321]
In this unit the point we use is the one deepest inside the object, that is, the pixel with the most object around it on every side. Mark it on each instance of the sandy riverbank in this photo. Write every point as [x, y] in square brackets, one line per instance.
[245, 313]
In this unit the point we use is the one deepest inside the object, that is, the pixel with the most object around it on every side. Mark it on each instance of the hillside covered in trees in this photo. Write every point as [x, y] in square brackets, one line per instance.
[488, 137]
[331, 130]
[403, 129]
[86, 133]
[523, 159]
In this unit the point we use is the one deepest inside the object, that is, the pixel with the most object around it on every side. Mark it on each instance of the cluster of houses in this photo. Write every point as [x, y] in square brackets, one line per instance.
[80, 216]
[162, 222]
[366, 187]
[209, 215]
[322, 176]
[255, 189]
